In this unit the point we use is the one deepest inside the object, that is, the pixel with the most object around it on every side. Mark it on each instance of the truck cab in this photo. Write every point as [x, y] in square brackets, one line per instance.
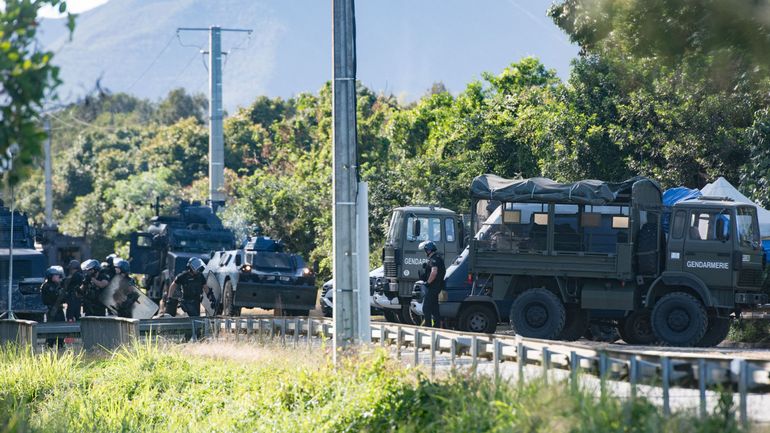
[402, 258]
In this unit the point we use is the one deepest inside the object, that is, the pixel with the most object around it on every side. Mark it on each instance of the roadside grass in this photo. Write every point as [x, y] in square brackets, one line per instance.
[238, 388]
[750, 331]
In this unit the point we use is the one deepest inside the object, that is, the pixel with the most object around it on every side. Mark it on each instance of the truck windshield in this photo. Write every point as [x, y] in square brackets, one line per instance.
[272, 261]
[748, 230]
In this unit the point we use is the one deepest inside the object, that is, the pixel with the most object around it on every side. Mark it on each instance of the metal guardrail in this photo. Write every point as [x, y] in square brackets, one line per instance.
[672, 369]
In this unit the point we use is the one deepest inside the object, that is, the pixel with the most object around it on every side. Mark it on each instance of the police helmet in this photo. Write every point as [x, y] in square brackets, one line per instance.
[89, 265]
[74, 264]
[104, 265]
[110, 260]
[195, 264]
[54, 270]
[123, 265]
[428, 246]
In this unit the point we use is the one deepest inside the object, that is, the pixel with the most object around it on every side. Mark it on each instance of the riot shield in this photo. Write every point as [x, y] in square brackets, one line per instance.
[119, 291]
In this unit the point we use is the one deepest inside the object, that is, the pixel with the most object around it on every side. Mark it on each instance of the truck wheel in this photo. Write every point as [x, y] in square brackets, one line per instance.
[390, 316]
[478, 318]
[407, 317]
[678, 319]
[637, 328]
[575, 323]
[538, 313]
[228, 309]
[716, 332]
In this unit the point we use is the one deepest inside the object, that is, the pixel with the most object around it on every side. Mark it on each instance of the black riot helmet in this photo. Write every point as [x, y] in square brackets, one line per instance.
[74, 265]
[54, 270]
[196, 264]
[89, 265]
[428, 247]
[111, 259]
[123, 265]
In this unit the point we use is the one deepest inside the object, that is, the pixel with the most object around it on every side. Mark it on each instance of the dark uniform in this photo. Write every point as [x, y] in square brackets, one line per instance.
[53, 297]
[430, 307]
[71, 284]
[191, 286]
[125, 307]
[92, 305]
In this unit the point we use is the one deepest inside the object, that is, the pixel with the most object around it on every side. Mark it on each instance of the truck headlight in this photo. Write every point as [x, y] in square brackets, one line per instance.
[306, 272]
[246, 268]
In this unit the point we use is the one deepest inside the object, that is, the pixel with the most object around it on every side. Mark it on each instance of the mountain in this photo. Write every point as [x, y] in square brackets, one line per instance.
[403, 46]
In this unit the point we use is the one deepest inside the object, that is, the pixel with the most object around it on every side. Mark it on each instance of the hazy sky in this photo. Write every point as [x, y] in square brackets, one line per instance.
[74, 6]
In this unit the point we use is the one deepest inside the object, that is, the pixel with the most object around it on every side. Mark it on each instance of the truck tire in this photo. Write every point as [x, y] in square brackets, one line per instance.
[637, 328]
[228, 309]
[538, 313]
[716, 332]
[575, 323]
[679, 319]
[478, 318]
[406, 316]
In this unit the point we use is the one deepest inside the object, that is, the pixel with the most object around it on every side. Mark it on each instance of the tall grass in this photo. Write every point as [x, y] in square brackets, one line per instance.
[231, 388]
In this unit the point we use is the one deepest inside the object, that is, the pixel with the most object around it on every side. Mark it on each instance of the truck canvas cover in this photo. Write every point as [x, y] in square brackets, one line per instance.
[541, 189]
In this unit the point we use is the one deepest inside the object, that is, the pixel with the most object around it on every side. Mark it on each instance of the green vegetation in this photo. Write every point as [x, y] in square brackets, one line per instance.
[188, 389]
[750, 331]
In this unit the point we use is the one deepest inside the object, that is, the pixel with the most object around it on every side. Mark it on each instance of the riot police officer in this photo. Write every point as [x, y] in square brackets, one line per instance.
[108, 266]
[435, 271]
[94, 282]
[193, 286]
[71, 283]
[54, 294]
[128, 296]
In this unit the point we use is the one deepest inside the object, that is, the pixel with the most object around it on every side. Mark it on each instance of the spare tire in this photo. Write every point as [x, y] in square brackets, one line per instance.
[538, 313]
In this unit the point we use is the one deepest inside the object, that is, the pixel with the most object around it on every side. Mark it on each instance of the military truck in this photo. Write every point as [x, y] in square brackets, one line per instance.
[562, 254]
[28, 267]
[402, 258]
[262, 275]
[162, 251]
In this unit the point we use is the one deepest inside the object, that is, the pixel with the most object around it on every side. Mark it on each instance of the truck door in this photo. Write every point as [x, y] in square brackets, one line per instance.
[452, 234]
[748, 246]
[707, 252]
[676, 236]
[144, 256]
[419, 228]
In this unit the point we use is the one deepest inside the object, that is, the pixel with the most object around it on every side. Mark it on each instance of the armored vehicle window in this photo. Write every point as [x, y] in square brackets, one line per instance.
[748, 232]
[422, 229]
[449, 227]
[566, 230]
[677, 230]
[144, 241]
[272, 261]
[619, 222]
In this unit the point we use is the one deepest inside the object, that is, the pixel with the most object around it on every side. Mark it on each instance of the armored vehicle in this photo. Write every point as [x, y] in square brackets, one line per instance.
[161, 252]
[28, 267]
[562, 254]
[402, 258]
[262, 275]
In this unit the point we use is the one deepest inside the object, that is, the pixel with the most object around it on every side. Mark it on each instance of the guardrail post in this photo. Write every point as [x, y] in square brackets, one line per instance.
[237, 330]
[496, 357]
[665, 365]
[603, 374]
[416, 347]
[271, 322]
[194, 336]
[383, 335]
[283, 332]
[521, 360]
[574, 365]
[297, 324]
[474, 353]
[399, 340]
[432, 353]
[19, 332]
[702, 375]
[108, 332]
[546, 363]
[228, 326]
[309, 333]
[453, 351]
[633, 374]
[249, 326]
[743, 389]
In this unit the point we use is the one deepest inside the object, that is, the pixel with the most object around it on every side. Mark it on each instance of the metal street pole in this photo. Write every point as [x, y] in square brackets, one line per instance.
[216, 134]
[10, 315]
[48, 181]
[345, 178]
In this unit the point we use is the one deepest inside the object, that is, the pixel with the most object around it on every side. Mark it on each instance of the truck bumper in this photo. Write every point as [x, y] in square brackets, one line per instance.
[270, 296]
[380, 300]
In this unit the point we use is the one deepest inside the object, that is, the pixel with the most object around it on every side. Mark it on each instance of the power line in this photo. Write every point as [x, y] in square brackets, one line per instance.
[165, 47]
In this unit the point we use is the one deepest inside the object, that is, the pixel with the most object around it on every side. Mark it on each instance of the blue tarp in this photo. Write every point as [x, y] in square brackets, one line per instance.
[673, 196]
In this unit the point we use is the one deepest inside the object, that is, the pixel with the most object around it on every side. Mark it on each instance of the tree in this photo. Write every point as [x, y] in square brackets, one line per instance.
[27, 79]
[179, 105]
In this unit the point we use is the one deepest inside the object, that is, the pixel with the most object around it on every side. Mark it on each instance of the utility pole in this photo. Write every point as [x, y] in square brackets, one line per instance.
[348, 250]
[216, 134]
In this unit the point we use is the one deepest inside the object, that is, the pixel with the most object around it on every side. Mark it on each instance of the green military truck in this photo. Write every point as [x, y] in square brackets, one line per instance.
[565, 254]
[402, 258]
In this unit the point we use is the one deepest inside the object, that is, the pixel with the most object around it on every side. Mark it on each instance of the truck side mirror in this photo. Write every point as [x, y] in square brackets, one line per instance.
[416, 229]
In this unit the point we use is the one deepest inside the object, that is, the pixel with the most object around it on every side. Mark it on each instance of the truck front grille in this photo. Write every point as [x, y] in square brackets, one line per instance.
[390, 270]
[750, 278]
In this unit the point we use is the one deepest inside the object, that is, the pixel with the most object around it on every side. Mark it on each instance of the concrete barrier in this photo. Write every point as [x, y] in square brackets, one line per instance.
[20, 332]
[108, 332]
